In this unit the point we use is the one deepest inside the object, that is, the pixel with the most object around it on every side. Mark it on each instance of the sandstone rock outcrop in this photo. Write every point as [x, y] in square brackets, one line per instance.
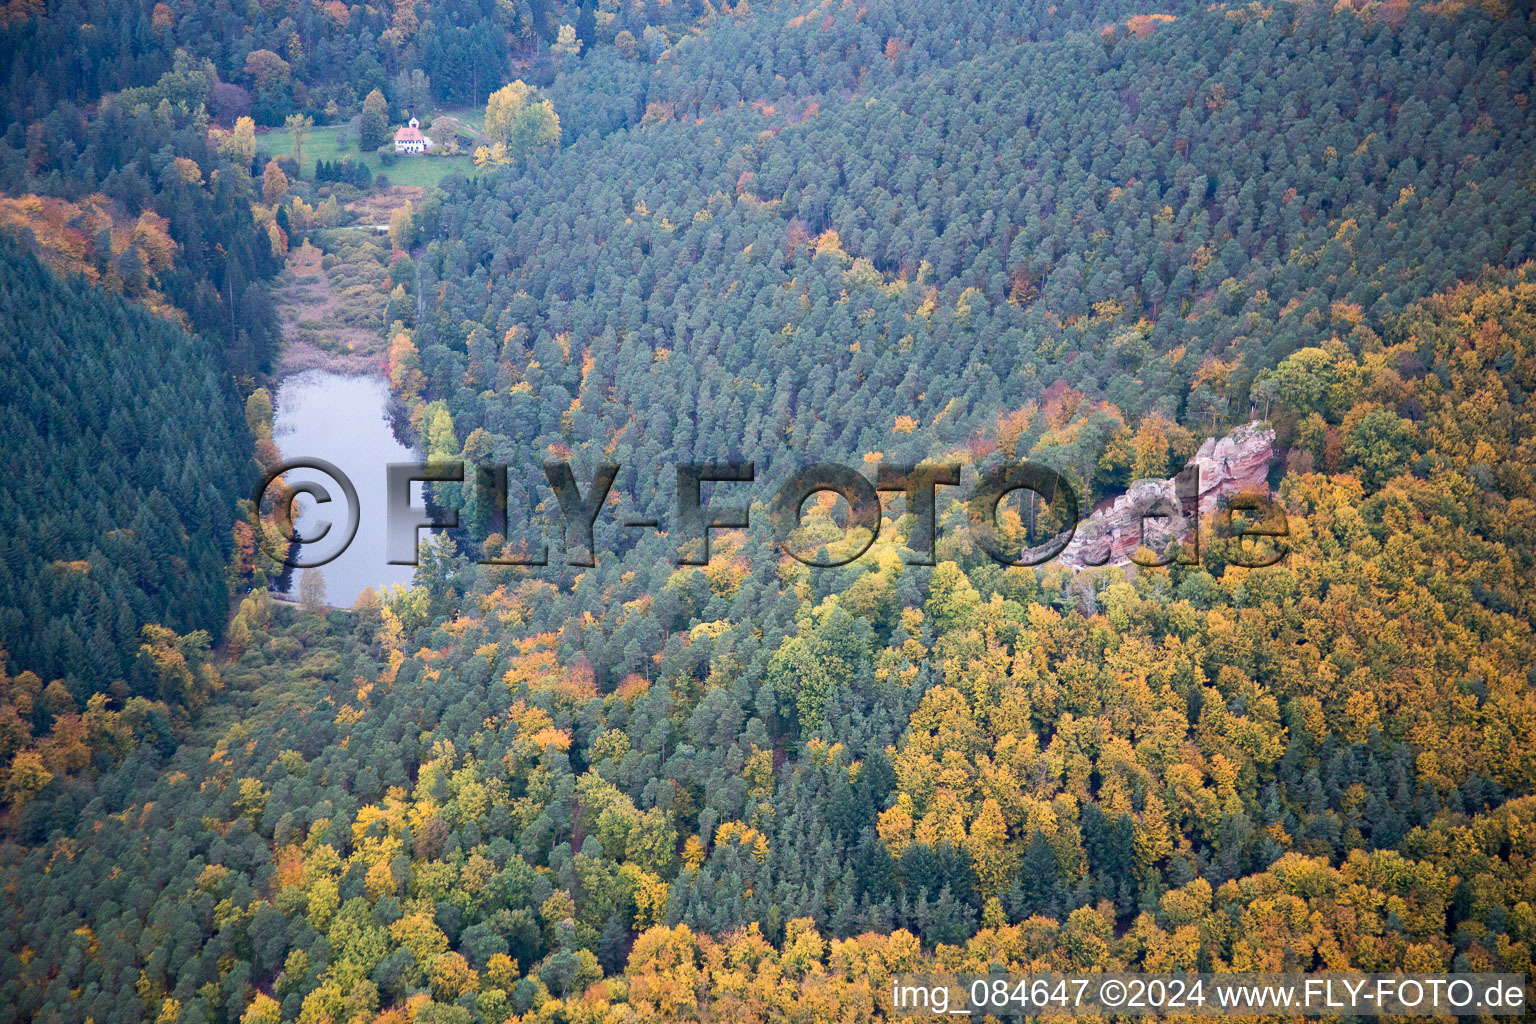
[1235, 463]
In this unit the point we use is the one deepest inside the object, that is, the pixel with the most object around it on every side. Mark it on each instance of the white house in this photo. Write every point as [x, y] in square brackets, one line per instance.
[409, 139]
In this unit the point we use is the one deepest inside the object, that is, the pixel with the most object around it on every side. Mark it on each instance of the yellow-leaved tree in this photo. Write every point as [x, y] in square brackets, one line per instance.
[520, 122]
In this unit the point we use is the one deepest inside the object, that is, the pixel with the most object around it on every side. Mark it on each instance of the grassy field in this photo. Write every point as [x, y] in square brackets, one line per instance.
[322, 144]
[470, 117]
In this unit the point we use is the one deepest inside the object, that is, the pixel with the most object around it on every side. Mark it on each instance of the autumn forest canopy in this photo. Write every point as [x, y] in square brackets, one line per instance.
[1099, 236]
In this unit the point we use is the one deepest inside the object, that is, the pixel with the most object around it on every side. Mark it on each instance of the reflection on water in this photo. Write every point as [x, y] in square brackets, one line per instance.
[345, 421]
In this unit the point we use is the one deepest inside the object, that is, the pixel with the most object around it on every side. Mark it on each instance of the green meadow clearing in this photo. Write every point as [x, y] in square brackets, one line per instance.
[330, 142]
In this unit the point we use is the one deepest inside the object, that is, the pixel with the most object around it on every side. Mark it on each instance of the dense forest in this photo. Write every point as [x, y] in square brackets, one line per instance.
[117, 513]
[275, 58]
[820, 277]
[813, 785]
[125, 364]
[869, 233]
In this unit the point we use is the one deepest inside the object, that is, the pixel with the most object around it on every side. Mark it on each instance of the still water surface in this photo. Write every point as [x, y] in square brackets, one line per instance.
[345, 421]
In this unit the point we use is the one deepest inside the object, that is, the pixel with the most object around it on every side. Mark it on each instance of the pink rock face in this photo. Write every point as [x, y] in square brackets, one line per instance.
[1235, 463]
[1238, 462]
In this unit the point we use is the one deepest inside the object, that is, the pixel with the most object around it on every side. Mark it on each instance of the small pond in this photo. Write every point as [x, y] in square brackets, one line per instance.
[344, 420]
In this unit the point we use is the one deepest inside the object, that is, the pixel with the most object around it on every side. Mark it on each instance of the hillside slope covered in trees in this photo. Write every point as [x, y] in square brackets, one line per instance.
[127, 455]
[273, 59]
[829, 273]
[812, 786]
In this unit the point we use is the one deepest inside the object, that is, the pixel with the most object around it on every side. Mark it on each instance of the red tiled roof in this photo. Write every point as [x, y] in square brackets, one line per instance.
[409, 134]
